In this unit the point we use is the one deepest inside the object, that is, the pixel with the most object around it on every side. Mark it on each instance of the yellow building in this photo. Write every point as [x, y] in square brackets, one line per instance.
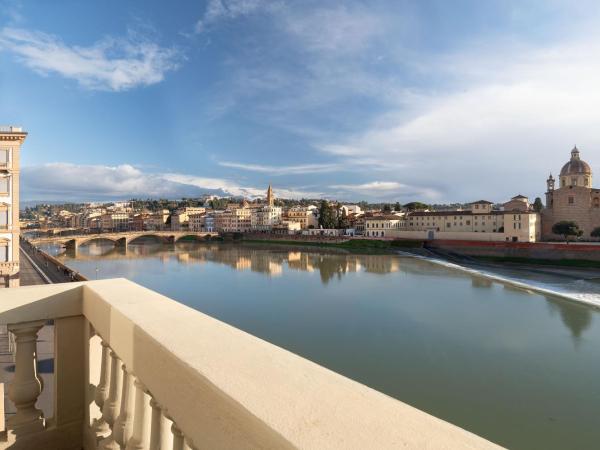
[11, 139]
[515, 222]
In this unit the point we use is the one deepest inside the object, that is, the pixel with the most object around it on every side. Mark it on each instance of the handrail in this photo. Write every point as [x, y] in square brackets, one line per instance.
[224, 388]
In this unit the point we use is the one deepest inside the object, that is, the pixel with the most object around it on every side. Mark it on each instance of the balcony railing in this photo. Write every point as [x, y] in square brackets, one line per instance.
[136, 370]
[8, 267]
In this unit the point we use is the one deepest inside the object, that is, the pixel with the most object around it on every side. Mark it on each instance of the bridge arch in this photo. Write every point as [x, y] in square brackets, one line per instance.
[158, 237]
[190, 237]
[81, 242]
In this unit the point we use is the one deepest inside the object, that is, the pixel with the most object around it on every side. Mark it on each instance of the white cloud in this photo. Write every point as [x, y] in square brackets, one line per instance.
[219, 10]
[67, 181]
[511, 117]
[385, 190]
[112, 64]
[283, 170]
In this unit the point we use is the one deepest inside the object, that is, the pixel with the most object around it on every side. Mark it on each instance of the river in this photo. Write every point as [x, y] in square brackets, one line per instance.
[519, 368]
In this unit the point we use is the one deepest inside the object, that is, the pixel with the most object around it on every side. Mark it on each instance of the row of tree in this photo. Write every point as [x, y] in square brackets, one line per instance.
[569, 229]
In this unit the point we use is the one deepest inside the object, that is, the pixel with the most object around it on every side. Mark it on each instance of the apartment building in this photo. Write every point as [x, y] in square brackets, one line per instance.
[306, 216]
[11, 139]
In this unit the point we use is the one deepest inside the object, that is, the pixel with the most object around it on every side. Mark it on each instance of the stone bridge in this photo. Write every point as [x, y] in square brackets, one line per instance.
[121, 239]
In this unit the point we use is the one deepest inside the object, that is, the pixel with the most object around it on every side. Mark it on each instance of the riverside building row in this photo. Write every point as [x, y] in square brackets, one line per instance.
[514, 221]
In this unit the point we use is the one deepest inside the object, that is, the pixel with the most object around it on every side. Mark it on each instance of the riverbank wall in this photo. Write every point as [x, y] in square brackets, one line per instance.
[52, 267]
[535, 251]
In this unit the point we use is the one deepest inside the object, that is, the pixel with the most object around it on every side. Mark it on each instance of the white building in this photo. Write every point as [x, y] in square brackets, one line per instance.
[11, 139]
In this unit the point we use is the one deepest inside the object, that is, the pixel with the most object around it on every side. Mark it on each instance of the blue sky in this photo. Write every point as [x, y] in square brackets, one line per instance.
[379, 100]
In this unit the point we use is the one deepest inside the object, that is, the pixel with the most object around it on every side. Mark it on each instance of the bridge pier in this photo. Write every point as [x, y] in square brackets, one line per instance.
[72, 245]
[122, 243]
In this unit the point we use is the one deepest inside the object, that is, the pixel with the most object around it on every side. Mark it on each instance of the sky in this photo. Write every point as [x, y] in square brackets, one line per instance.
[379, 100]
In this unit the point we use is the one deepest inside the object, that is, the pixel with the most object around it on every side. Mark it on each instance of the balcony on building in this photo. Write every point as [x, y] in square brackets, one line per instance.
[134, 369]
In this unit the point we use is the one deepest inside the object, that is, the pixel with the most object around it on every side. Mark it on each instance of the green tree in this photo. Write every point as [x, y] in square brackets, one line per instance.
[595, 232]
[538, 205]
[416, 206]
[344, 222]
[397, 207]
[387, 208]
[566, 228]
[327, 216]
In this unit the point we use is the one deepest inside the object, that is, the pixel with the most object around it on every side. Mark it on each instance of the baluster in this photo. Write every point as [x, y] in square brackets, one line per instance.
[140, 440]
[124, 425]
[100, 427]
[188, 444]
[26, 385]
[177, 437]
[156, 426]
[122, 428]
[113, 402]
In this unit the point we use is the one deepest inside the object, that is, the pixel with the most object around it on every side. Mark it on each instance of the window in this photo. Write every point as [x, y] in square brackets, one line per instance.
[468, 222]
[586, 181]
[596, 202]
[574, 181]
[4, 156]
[3, 217]
[571, 200]
[3, 252]
[4, 185]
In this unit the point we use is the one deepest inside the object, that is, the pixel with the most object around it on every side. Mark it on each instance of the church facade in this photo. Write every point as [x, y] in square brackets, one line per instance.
[573, 200]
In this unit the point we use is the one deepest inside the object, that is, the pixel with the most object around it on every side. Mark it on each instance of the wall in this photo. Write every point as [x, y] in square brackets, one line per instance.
[529, 250]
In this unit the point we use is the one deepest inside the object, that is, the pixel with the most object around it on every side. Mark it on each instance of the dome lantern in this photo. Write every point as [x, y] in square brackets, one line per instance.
[576, 172]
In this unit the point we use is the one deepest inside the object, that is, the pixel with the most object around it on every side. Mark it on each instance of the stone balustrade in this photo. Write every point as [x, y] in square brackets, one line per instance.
[136, 370]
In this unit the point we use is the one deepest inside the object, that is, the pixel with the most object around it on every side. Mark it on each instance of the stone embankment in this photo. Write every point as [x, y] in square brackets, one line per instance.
[55, 270]
[533, 251]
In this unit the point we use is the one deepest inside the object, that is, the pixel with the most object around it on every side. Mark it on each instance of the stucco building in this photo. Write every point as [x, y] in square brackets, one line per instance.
[11, 139]
[574, 200]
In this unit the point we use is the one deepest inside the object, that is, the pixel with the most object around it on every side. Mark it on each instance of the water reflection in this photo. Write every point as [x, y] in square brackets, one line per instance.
[577, 318]
[330, 265]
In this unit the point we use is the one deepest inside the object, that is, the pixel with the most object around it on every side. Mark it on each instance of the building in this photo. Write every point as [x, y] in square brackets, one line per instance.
[11, 139]
[238, 220]
[351, 209]
[180, 218]
[115, 221]
[380, 226]
[305, 216]
[265, 217]
[157, 221]
[574, 200]
[515, 222]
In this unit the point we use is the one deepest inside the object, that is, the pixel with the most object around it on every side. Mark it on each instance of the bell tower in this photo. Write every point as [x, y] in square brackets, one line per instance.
[270, 197]
[550, 182]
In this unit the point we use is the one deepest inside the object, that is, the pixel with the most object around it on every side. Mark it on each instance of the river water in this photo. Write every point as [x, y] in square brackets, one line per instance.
[519, 368]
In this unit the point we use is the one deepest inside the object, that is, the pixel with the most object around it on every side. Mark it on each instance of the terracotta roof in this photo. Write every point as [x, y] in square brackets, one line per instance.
[481, 201]
[386, 217]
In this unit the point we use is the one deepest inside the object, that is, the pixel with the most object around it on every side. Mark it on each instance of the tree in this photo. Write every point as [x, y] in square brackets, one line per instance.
[387, 208]
[416, 206]
[538, 205]
[595, 232]
[566, 229]
[344, 222]
[397, 207]
[327, 215]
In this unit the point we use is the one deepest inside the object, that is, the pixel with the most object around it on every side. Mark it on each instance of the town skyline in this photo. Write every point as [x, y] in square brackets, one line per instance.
[224, 96]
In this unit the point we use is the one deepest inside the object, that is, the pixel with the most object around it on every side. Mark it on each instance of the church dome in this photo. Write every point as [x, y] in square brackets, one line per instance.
[575, 166]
